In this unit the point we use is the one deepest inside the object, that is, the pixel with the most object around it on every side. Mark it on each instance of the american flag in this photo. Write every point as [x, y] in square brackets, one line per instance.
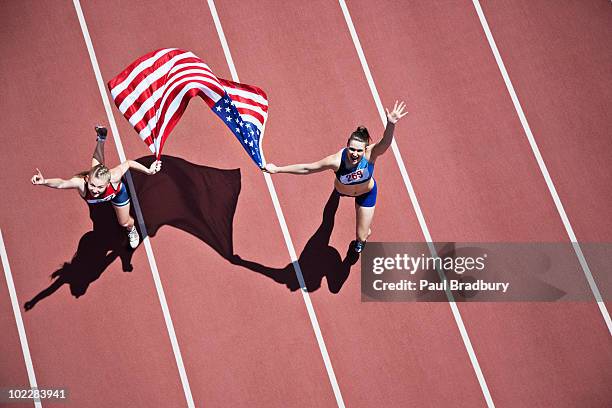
[153, 92]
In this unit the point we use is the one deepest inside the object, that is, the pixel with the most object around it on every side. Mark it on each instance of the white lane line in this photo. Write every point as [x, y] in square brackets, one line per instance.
[146, 242]
[17, 312]
[543, 168]
[285, 230]
[415, 204]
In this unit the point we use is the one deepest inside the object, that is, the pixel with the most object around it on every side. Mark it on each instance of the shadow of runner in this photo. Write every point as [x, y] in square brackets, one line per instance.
[317, 260]
[202, 201]
[97, 249]
[197, 199]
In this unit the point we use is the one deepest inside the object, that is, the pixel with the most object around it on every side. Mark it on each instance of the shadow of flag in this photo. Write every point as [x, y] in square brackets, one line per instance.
[200, 200]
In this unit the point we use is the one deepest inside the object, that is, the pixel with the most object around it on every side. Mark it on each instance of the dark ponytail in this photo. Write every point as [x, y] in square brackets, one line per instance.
[361, 135]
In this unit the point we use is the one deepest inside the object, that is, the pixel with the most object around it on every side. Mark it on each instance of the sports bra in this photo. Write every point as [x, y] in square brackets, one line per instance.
[361, 173]
[107, 195]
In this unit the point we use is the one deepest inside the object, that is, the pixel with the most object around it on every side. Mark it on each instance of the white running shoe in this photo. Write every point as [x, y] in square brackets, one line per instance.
[133, 237]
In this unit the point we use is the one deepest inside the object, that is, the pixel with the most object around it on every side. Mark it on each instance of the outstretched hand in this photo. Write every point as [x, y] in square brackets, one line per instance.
[155, 167]
[38, 178]
[397, 113]
[270, 168]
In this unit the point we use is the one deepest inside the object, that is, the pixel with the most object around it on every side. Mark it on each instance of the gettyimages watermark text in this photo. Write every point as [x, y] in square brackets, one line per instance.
[488, 272]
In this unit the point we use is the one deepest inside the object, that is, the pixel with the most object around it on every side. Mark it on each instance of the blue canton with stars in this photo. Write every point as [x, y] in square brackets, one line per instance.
[246, 132]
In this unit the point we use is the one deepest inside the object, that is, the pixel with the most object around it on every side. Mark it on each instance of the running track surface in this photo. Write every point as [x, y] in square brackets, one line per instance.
[245, 339]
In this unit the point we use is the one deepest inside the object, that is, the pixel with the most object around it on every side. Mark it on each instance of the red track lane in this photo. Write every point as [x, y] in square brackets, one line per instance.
[477, 180]
[245, 339]
[558, 59]
[108, 347]
[383, 354]
[13, 373]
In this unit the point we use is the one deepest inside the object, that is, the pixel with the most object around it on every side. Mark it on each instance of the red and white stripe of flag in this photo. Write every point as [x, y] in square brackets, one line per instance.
[154, 90]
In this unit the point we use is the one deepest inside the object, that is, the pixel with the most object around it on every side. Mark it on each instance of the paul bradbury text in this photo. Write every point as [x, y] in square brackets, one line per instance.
[451, 284]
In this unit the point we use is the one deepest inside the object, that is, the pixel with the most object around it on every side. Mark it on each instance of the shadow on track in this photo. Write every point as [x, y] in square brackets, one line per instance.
[96, 250]
[202, 201]
[197, 199]
[317, 260]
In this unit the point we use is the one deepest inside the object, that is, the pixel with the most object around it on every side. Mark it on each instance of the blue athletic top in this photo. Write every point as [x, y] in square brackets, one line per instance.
[359, 174]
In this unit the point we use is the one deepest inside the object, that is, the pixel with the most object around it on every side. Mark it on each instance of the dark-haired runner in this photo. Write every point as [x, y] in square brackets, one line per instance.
[354, 168]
